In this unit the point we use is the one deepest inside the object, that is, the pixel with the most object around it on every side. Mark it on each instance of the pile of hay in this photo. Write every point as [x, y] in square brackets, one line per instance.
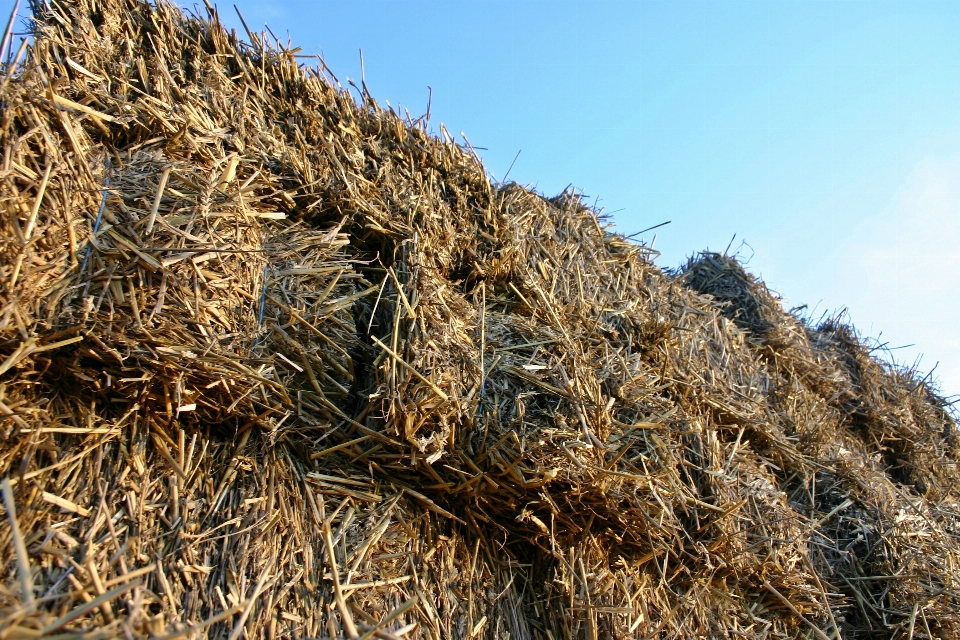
[275, 362]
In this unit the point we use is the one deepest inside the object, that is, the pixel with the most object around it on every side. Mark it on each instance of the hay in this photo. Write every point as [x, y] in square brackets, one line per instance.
[277, 363]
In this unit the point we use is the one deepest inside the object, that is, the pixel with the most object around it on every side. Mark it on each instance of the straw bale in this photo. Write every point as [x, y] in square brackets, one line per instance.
[276, 362]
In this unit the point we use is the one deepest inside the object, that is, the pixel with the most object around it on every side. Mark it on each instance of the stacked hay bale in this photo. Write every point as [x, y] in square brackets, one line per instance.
[275, 362]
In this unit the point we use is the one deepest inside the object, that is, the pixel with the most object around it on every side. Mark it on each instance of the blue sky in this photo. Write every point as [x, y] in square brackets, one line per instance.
[826, 135]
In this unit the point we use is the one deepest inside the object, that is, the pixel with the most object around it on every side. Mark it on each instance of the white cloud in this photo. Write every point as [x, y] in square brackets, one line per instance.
[902, 271]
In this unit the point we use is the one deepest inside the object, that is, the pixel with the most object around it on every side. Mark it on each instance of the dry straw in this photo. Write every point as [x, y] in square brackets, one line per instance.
[275, 362]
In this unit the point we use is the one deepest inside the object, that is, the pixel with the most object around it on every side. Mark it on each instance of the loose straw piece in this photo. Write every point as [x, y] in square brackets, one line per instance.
[342, 445]
[76, 106]
[337, 592]
[8, 31]
[23, 560]
[238, 627]
[87, 606]
[31, 223]
[156, 201]
[223, 615]
[409, 368]
[390, 617]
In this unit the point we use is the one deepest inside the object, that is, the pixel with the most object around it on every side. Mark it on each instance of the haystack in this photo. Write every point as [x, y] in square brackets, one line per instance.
[275, 362]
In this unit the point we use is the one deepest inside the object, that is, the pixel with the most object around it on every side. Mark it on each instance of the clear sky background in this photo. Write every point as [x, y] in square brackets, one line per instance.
[826, 135]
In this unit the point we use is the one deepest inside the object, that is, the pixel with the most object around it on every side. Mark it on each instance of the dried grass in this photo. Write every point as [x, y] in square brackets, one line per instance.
[275, 362]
